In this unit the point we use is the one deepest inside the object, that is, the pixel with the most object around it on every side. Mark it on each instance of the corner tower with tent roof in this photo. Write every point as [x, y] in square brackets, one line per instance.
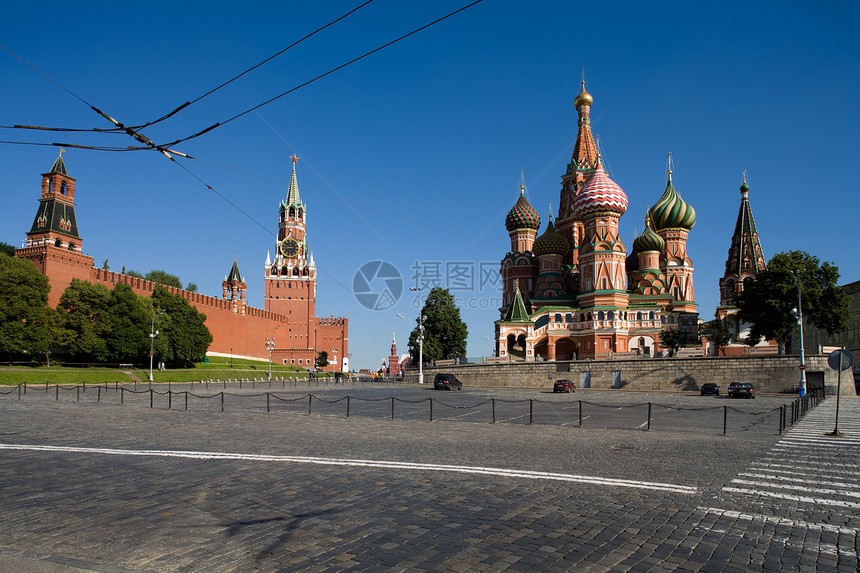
[573, 292]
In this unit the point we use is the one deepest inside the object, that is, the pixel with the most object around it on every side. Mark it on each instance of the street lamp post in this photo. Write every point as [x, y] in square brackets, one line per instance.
[799, 315]
[420, 335]
[153, 333]
[270, 345]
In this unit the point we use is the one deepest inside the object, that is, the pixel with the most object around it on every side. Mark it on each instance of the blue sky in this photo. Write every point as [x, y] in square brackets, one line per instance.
[415, 153]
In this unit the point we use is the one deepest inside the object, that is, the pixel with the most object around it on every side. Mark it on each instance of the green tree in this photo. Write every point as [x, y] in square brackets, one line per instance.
[184, 337]
[129, 325]
[322, 359]
[191, 287]
[444, 332]
[133, 273]
[82, 324]
[717, 332]
[25, 318]
[672, 339]
[767, 301]
[7, 249]
[163, 278]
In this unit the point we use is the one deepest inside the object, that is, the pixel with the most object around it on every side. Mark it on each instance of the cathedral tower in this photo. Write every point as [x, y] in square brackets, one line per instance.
[745, 258]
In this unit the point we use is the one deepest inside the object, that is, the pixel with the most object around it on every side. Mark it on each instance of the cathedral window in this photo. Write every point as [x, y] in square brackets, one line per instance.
[558, 318]
[58, 243]
[64, 188]
[568, 318]
[652, 315]
[611, 315]
[600, 315]
[72, 246]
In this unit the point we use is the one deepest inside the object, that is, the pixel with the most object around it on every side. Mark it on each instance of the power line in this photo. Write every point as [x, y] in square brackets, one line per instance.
[228, 82]
[319, 77]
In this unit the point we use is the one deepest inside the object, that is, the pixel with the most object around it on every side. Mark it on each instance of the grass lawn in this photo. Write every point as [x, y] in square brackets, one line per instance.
[223, 369]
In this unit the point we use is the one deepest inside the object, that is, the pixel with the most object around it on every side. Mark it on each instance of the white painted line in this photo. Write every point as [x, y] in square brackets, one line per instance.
[502, 472]
[801, 464]
[773, 476]
[795, 487]
[800, 498]
[781, 521]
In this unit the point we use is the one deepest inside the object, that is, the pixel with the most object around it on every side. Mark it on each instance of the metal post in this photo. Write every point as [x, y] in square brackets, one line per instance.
[57, 388]
[19, 391]
[186, 401]
[580, 413]
[800, 326]
[25, 388]
[122, 395]
[725, 416]
[310, 399]
[431, 411]
[648, 427]
[99, 395]
[494, 409]
[531, 410]
[169, 399]
[151, 394]
[392, 407]
[222, 402]
[267, 403]
[78, 388]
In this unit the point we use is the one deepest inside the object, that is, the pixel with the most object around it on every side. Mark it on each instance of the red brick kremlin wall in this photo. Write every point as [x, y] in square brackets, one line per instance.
[237, 330]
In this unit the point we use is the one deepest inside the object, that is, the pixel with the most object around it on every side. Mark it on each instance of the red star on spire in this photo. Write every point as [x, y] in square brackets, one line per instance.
[294, 158]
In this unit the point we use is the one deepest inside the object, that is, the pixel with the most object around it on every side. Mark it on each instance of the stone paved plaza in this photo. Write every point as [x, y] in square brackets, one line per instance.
[109, 487]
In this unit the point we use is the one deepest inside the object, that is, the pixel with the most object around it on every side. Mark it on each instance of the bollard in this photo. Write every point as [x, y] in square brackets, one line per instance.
[493, 401]
[310, 399]
[151, 396]
[347, 406]
[99, 395]
[725, 415]
[85, 386]
[431, 409]
[57, 388]
[222, 402]
[19, 391]
[46, 386]
[267, 402]
[648, 426]
[122, 395]
[186, 401]
[580, 413]
[531, 410]
[169, 399]
[392, 407]
[78, 388]
[25, 388]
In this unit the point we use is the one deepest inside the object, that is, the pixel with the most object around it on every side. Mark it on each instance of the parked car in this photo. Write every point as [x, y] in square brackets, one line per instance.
[447, 382]
[710, 388]
[741, 390]
[563, 386]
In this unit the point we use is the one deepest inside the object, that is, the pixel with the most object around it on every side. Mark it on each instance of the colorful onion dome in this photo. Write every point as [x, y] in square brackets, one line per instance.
[648, 240]
[600, 193]
[744, 187]
[522, 215]
[584, 98]
[671, 211]
[550, 242]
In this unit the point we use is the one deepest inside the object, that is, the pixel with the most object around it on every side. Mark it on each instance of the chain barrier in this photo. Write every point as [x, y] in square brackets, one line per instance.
[788, 414]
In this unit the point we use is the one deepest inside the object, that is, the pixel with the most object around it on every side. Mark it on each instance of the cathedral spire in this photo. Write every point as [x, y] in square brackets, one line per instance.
[745, 259]
[584, 150]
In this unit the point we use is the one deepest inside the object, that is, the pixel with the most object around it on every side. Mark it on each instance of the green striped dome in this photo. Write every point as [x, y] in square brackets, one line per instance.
[522, 215]
[671, 211]
[550, 243]
[648, 240]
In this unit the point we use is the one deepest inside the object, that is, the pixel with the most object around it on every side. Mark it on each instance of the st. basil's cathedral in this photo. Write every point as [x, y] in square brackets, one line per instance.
[574, 292]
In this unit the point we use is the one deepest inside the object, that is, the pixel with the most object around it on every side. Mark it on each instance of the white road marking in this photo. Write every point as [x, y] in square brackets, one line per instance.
[780, 521]
[794, 487]
[773, 476]
[502, 472]
[801, 498]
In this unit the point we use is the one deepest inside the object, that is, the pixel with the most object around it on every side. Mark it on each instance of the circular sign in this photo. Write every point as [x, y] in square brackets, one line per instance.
[802, 366]
[834, 359]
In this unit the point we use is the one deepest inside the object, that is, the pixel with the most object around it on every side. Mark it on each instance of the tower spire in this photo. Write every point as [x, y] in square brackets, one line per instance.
[293, 193]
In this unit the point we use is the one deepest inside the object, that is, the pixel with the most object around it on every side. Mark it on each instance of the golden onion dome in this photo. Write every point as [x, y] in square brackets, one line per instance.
[584, 98]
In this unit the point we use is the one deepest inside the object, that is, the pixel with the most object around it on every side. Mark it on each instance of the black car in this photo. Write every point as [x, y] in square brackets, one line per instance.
[447, 382]
[741, 390]
[710, 388]
[563, 386]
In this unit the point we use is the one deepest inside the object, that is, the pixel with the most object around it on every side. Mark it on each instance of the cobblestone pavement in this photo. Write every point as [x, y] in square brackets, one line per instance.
[109, 487]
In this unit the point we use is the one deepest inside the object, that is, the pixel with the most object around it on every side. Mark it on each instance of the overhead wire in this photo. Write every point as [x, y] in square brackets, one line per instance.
[252, 68]
[319, 77]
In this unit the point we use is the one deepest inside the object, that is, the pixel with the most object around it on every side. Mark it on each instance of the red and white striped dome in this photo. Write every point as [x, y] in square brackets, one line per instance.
[600, 194]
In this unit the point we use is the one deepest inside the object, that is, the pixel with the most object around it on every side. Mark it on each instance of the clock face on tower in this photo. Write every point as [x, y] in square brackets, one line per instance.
[289, 248]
